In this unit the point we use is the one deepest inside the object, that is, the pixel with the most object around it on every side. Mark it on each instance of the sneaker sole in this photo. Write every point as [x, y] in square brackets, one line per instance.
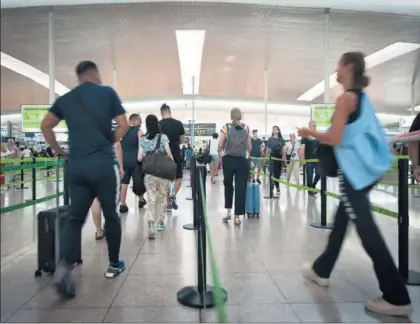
[309, 275]
[401, 311]
[116, 275]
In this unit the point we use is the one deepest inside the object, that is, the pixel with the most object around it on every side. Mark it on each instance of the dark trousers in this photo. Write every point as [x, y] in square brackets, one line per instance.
[312, 168]
[85, 185]
[355, 205]
[277, 168]
[238, 168]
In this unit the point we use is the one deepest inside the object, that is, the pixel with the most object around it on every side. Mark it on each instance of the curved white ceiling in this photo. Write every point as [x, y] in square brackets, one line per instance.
[389, 6]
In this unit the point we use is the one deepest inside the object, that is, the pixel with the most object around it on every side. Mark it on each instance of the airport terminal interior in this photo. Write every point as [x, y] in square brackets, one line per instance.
[276, 61]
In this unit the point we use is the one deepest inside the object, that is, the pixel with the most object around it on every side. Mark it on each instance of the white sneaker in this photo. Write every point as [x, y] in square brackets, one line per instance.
[309, 274]
[382, 307]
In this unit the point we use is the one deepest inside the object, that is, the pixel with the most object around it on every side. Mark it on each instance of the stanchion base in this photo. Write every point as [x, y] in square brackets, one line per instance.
[274, 197]
[190, 227]
[413, 278]
[326, 226]
[190, 296]
[189, 198]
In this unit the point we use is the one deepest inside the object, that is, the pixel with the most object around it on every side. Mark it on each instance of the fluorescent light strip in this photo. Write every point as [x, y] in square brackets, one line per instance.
[190, 51]
[384, 55]
[32, 73]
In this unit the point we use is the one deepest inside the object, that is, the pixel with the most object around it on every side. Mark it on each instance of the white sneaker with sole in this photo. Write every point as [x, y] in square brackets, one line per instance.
[309, 274]
[382, 307]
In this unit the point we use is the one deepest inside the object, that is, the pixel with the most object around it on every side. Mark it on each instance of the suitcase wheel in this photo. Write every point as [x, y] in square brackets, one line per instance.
[80, 262]
[258, 215]
[38, 273]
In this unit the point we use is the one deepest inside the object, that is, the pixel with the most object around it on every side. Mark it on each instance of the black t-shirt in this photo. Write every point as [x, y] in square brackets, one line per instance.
[88, 147]
[415, 126]
[311, 148]
[173, 129]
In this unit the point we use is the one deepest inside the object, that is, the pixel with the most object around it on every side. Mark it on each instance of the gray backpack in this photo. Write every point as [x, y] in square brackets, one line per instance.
[236, 140]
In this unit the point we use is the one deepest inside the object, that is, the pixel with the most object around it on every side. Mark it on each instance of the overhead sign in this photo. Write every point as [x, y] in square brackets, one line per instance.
[32, 116]
[200, 129]
[4, 131]
[322, 114]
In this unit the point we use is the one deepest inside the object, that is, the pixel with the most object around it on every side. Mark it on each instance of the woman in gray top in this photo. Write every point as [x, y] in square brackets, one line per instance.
[276, 145]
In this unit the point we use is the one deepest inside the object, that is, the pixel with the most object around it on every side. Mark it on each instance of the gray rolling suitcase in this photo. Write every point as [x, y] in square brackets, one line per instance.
[50, 225]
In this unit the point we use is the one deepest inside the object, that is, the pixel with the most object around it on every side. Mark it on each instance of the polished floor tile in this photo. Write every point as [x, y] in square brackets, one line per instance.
[258, 263]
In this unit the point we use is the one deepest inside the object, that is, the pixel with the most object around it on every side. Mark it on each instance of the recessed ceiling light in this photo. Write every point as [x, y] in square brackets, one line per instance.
[32, 73]
[384, 55]
[190, 51]
[230, 58]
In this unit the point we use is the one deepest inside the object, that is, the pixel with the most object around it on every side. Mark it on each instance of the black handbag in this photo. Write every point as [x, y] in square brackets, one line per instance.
[327, 160]
[158, 164]
[139, 188]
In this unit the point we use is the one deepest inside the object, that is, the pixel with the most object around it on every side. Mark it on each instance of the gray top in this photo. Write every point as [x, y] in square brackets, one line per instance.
[276, 144]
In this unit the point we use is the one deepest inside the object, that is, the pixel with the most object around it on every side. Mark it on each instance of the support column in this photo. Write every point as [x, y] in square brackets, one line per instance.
[51, 57]
[323, 224]
[266, 103]
[326, 52]
[193, 113]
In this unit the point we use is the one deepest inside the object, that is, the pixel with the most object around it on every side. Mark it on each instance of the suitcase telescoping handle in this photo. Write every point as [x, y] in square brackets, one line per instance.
[57, 216]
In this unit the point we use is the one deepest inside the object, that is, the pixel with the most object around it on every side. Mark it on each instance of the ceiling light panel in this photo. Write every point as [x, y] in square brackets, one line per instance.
[32, 73]
[190, 51]
[384, 55]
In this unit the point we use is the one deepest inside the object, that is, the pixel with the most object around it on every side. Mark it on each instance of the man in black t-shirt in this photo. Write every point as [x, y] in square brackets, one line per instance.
[174, 130]
[309, 150]
[414, 149]
[88, 110]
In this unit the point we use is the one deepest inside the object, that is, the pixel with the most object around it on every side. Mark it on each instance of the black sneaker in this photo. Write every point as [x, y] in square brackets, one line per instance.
[123, 209]
[142, 203]
[258, 181]
[64, 282]
[114, 269]
[173, 203]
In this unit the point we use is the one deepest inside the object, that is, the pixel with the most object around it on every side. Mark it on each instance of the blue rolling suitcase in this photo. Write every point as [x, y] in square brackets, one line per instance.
[252, 206]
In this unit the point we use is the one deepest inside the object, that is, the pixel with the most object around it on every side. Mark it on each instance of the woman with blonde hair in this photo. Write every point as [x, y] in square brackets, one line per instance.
[235, 142]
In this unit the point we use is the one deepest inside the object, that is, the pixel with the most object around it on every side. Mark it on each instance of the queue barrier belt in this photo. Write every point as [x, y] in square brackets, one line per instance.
[29, 203]
[374, 207]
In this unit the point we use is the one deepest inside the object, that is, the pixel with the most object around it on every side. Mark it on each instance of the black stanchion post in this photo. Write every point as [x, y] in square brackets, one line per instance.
[410, 277]
[304, 174]
[192, 174]
[323, 224]
[200, 296]
[22, 176]
[413, 182]
[271, 182]
[33, 179]
[194, 192]
[66, 197]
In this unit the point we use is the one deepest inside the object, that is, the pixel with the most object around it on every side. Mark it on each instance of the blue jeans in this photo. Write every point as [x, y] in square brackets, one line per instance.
[311, 169]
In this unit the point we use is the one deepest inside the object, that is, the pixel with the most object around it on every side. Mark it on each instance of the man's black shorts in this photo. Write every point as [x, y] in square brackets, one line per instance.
[178, 161]
[128, 174]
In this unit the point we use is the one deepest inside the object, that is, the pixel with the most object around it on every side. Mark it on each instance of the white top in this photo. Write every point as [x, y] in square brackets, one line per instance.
[26, 153]
[214, 143]
[293, 150]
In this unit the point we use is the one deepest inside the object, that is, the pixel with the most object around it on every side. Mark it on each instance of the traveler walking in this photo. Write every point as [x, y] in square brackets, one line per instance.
[130, 147]
[357, 142]
[156, 188]
[213, 152]
[255, 156]
[174, 130]
[276, 145]
[309, 151]
[414, 149]
[235, 142]
[88, 110]
[292, 158]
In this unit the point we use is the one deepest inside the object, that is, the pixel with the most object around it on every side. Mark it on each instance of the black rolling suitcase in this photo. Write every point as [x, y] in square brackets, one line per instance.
[50, 223]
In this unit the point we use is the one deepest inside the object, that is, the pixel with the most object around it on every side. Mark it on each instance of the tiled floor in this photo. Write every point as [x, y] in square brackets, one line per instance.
[258, 264]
